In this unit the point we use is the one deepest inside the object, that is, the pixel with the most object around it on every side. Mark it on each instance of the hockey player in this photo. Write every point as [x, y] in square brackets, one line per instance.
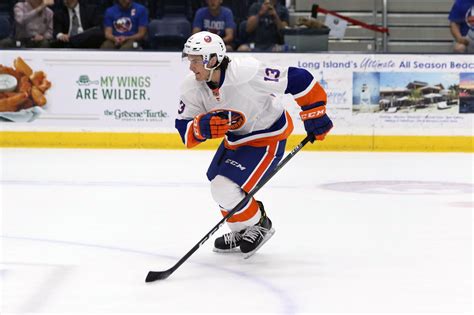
[235, 99]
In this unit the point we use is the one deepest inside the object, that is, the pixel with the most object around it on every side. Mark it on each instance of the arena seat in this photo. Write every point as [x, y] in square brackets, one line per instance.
[169, 33]
[5, 28]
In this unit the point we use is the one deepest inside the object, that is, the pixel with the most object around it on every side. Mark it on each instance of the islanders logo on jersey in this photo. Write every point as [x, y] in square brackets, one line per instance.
[123, 25]
[237, 120]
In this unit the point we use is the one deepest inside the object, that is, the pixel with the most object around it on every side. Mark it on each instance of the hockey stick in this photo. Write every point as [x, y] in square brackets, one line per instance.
[160, 275]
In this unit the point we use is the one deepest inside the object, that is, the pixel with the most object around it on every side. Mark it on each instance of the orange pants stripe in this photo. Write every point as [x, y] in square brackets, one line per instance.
[245, 214]
[261, 168]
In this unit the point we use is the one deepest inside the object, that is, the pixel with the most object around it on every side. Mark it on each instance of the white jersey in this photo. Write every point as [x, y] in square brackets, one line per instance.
[249, 88]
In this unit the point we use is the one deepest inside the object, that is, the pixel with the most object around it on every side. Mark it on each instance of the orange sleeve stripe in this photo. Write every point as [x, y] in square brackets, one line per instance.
[261, 169]
[316, 94]
[191, 141]
[243, 215]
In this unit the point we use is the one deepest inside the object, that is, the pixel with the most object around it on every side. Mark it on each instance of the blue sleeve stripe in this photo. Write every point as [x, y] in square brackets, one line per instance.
[182, 126]
[298, 80]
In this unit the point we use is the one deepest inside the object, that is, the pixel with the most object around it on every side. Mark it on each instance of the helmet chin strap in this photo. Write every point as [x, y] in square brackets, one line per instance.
[210, 74]
[211, 71]
[214, 86]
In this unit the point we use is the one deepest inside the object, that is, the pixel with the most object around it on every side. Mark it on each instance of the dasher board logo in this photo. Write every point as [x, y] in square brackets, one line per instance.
[113, 88]
[146, 115]
[84, 80]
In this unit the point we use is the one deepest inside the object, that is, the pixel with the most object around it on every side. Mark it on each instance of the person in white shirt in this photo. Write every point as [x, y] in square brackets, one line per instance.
[33, 24]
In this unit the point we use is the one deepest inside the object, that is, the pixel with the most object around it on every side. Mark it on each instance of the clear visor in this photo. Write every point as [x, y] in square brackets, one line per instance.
[193, 59]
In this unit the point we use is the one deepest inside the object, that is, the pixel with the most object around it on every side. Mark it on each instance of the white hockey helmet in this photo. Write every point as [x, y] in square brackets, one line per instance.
[207, 45]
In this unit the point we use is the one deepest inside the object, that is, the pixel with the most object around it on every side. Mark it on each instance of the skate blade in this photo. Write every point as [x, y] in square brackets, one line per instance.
[226, 251]
[265, 239]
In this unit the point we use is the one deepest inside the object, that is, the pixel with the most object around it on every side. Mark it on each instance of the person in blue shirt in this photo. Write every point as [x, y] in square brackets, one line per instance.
[125, 25]
[461, 18]
[216, 19]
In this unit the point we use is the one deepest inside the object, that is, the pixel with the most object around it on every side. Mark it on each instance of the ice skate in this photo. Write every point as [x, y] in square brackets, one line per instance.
[228, 243]
[255, 236]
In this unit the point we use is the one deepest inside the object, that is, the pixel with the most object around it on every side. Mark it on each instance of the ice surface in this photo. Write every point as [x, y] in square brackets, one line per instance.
[355, 233]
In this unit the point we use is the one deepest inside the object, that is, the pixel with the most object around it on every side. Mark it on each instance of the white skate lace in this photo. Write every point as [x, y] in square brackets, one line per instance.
[253, 232]
[232, 238]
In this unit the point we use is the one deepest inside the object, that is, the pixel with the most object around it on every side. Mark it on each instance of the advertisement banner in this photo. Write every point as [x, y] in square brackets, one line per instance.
[393, 94]
[101, 91]
[139, 91]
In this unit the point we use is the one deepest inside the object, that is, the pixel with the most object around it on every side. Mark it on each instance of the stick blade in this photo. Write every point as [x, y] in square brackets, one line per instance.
[157, 275]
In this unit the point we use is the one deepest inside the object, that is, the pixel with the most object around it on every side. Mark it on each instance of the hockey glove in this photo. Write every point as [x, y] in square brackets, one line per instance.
[211, 125]
[315, 120]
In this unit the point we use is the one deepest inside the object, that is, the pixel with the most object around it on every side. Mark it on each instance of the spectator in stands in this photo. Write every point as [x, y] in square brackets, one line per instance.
[461, 18]
[77, 25]
[33, 24]
[266, 18]
[216, 19]
[125, 25]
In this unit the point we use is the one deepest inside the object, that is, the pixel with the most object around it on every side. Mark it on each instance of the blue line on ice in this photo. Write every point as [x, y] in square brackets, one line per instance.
[288, 305]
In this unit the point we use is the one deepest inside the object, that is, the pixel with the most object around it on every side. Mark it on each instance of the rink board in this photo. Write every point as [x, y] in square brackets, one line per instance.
[115, 140]
[130, 100]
